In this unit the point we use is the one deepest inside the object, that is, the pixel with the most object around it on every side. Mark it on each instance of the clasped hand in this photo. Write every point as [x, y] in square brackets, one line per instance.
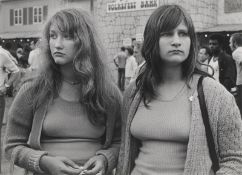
[64, 166]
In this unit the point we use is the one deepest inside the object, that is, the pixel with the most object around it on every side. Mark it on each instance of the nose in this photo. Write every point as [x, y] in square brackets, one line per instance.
[59, 43]
[176, 40]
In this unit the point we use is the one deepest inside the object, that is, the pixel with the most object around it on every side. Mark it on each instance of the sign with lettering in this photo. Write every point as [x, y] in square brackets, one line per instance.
[232, 6]
[139, 37]
[131, 5]
[127, 42]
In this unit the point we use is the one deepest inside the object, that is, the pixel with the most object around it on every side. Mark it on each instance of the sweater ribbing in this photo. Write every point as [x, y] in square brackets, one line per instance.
[163, 129]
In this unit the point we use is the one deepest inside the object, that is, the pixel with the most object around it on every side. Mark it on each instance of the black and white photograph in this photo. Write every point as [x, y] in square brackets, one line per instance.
[121, 87]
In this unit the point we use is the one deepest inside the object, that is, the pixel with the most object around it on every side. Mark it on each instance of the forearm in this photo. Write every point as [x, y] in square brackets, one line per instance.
[25, 157]
[12, 78]
[230, 139]
[111, 155]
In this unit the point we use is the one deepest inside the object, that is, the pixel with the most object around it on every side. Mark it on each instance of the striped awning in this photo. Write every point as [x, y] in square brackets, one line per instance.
[25, 34]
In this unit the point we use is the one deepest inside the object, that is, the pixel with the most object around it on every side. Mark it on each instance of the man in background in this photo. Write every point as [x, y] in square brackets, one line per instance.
[131, 65]
[235, 44]
[120, 61]
[35, 60]
[222, 63]
[139, 59]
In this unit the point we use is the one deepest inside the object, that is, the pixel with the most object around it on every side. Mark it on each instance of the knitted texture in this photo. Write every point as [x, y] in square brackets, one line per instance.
[226, 127]
[24, 127]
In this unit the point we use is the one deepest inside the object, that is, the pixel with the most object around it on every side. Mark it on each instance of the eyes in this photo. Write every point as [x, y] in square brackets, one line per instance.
[181, 33]
[54, 35]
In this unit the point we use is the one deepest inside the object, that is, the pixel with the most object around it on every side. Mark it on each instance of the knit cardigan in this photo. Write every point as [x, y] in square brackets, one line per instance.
[226, 125]
[23, 133]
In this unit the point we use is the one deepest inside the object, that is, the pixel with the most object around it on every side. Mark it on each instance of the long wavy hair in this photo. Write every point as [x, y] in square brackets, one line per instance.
[98, 90]
[163, 19]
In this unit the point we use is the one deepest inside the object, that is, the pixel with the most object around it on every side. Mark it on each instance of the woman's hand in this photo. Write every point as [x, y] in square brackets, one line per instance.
[59, 166]
[95, 165]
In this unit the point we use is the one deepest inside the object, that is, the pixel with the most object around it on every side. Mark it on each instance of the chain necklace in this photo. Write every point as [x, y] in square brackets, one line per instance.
[175, 96]
[72, 82]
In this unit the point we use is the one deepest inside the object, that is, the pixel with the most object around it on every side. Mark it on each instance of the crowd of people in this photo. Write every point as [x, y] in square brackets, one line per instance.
[72, 119]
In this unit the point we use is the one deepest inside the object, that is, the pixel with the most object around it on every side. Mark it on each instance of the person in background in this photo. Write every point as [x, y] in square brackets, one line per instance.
[139, 59]
[131, 65]
[67, 119]
[35, 62]
[7, 66]
[222, 63]
[120, 61]
[162, 130]
[9, 47]
[204, 55]
[22, 58]
[235, 44]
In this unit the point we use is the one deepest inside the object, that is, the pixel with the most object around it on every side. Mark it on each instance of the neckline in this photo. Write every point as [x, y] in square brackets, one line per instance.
[67, 101]
[180, 91]
[72, 82]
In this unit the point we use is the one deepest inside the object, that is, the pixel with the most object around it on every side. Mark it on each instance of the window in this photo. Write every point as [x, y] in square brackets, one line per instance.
[18, 16]
[38, 15]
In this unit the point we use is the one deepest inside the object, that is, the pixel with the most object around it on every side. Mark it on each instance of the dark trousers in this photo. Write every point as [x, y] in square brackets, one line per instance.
[121, 78]
[2, 108]
[239, 97]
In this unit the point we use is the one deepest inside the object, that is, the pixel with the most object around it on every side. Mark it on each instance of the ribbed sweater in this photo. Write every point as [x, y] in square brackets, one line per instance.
[24, 127]
[163, 130]
[68, 132]
[226, 125]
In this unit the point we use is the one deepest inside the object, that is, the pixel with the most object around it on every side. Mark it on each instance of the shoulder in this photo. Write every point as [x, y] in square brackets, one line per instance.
[215, 91]
[27, 91]
[237, 52]
[226, 57]
[4, 55]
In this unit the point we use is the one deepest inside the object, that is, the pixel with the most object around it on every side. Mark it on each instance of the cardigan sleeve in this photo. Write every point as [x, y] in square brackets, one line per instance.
[18, 129]
[113, 128]
[125, 109]
[226, 125]
[229, 138]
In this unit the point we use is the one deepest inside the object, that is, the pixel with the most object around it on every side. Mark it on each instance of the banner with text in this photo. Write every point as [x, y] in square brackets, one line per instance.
[131, 5]
[232, 6]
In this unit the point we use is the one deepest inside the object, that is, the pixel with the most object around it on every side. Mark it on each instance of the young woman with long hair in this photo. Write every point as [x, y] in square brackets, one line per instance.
[67, 120]
[163, 130]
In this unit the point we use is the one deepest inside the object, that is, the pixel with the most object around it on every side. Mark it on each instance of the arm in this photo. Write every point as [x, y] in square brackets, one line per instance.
[10, 67]
[125, 110]
[110, 150]
[18, 130]
[229, 137]
[115, 61]
[134, 66]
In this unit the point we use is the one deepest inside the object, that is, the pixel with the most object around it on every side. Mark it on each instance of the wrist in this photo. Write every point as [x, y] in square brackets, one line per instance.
[43, 163]
[105, 160]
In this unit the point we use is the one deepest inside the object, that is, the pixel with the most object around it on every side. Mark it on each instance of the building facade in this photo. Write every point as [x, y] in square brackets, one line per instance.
[121, 24]
[23, 20]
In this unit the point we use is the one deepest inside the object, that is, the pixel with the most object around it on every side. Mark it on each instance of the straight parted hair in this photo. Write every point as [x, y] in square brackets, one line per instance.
[164, 18]
[98, 90]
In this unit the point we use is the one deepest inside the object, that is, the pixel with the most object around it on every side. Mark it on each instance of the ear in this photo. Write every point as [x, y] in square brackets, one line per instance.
[235, 45]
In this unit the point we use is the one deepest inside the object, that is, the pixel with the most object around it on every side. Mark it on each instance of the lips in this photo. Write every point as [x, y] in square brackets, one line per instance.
[176, 51]
[58, 54]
